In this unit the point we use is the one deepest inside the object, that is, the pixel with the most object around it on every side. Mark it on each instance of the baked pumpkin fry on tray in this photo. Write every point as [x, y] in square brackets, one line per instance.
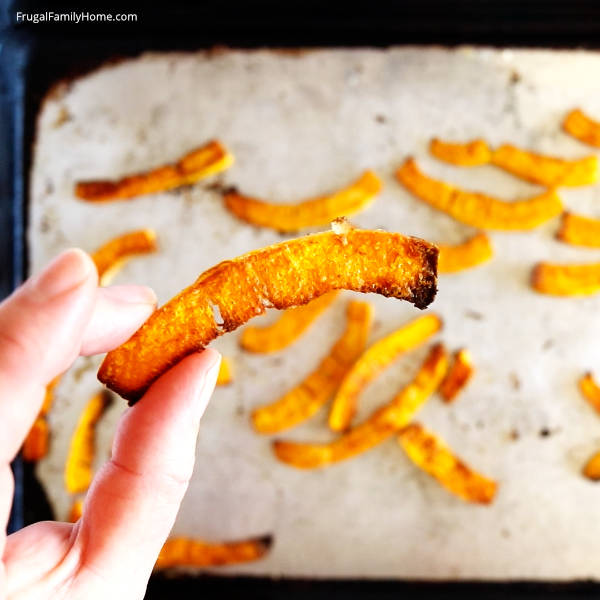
[579, 230]
[477, 209]
[195, 165]
[304, 400]
[283, 275]
[470, 253]
[536, 168]
[432, 455]
[566, 279]
[288, 328]
[310, 213]
[458, 375]
[381, 425]
[590, 390]
[582, 127]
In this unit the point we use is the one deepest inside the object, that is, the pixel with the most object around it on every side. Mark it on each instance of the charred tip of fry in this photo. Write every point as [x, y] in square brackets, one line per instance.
[265, 541]
[468, 154]
[566, 279]
[591, 469]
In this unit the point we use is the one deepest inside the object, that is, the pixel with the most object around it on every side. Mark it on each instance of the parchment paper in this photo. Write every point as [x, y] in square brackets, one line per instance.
[300, 124]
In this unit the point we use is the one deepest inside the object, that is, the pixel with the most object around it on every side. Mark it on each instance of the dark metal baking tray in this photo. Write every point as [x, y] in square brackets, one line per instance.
[33, 57]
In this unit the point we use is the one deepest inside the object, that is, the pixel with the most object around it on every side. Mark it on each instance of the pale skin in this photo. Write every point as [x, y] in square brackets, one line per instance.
[131, 506]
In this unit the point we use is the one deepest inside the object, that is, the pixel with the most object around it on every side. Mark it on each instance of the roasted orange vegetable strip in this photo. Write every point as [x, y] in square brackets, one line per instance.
[305, 399]
[590, 390]
[111, 256]
[382, 424]
[197, 164]
[432, 455]
[581, 127]
[310, 213]
[458, 376]
[76, 511]
[288, 328]
[470, 154]
[537, 168]
[283, 275]
[592, 468]
[579, 231]
[378, 357]
[79, 463]
[471, 253]
[566, 280]
[476, 209]
[35, 446]
[225, 376]
[188, 552]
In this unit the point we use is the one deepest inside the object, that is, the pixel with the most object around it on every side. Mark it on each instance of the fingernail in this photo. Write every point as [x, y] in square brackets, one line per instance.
[66, 272]
[130, 294]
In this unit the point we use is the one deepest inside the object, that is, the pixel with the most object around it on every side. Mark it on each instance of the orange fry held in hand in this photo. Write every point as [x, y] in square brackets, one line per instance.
[288, 328]
[189, 552]
[308, 397]
[197, 164]
[582, 127]
[458, 376]
[287, 274]
[579, 230]
[377, 358]
[382, 424]
[537, 168]
[310, 213]
[435, 458]
[477, 209]
[471, 253]
[78, 467]
[566, 279]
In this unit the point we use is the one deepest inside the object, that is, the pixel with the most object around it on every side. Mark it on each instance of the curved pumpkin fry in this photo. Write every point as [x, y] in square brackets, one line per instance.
[458, 376]
[432, 455]
[225, 376]
[566, 279]
[310, 213]
[195, 165]
[377, 358]
[78, 466]
[283, 275]
[382, 424]
[579, 230]
[469, 154]
[35, 446]
[76, 511]
[189, 552]
[476, 209]
[530, 166]
[471, 253]
[591, 470]
[308, 397]
[582, 127]
[590, 390]
[110, 257]
[288, 328]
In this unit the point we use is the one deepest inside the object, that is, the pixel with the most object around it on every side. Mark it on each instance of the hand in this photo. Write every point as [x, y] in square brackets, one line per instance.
[132, 503]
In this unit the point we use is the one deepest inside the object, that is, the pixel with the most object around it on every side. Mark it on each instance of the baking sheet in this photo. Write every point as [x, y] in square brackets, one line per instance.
[300, 124]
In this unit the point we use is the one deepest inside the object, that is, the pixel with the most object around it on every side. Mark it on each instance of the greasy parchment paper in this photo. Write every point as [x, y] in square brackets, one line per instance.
[300, 124]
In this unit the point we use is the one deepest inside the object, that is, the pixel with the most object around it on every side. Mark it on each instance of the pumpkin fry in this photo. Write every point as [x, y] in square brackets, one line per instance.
[470, 154]
[287, 274]
[530, 166]
[35, 446]
[110, 257]
[590, 390]
[477, 209]
[308, 397]
[579, 230]
[432, 455]
[591, 470]
[582, 127]
[471, 253]
[458, 376]
[382, 424]
[288, 328]
[377, 358]
[188, 552]
[197, 164]
[78, 466]
[566, 279]
[225, 376]
[310, 213]
[76, 511]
